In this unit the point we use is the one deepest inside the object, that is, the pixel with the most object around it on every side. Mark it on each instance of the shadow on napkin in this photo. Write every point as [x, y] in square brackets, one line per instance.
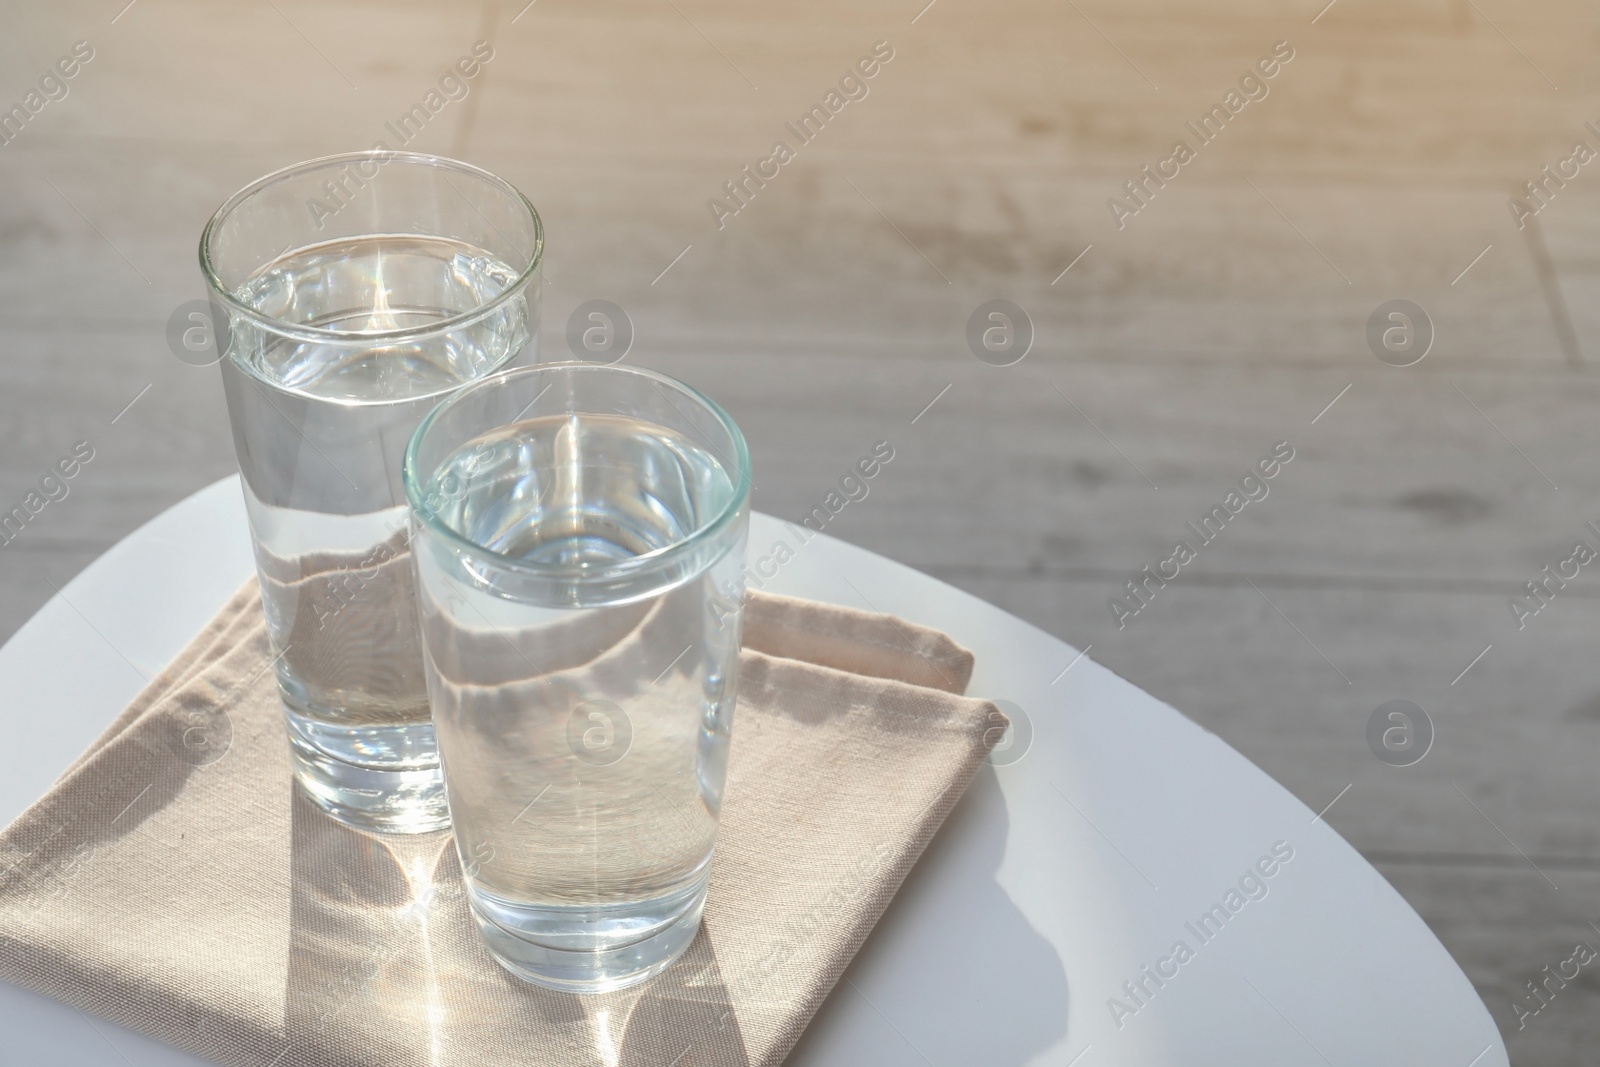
[375, 924]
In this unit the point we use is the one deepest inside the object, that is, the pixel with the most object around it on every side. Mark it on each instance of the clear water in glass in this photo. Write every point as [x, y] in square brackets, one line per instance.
[584, 730]
[321, 423]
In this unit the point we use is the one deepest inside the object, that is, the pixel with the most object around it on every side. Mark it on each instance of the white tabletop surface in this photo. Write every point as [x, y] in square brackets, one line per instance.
[1059, 877]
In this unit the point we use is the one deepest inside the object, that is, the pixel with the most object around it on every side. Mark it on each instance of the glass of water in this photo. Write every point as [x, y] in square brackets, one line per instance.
[350, 295]
[579, 537]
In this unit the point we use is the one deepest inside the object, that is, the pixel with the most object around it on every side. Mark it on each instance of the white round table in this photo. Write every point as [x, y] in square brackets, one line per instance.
[1040, 928]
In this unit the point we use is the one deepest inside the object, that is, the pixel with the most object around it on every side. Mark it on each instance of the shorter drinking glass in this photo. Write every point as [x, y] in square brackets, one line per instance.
[578, 533]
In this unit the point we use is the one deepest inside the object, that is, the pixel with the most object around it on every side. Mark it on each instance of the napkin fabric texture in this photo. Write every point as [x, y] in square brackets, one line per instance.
[176, 881]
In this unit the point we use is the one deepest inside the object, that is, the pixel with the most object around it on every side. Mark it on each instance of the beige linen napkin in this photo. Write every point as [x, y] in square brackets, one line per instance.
[175, 881]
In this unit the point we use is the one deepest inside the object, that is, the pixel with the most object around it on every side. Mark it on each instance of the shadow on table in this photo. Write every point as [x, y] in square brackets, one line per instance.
[384, 968]
[987, 988]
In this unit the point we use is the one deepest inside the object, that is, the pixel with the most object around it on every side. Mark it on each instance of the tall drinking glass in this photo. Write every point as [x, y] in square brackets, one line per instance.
[351, 294]
[579, 538]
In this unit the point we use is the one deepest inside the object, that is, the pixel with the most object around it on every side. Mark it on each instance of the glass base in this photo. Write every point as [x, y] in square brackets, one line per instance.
[399, 797]
[589, 950]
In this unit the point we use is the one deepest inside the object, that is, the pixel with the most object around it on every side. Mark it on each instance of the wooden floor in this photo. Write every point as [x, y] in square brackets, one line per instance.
[829, 313]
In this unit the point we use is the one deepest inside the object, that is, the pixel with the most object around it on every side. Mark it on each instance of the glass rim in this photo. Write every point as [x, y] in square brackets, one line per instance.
[582, 575]
[384, 157]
